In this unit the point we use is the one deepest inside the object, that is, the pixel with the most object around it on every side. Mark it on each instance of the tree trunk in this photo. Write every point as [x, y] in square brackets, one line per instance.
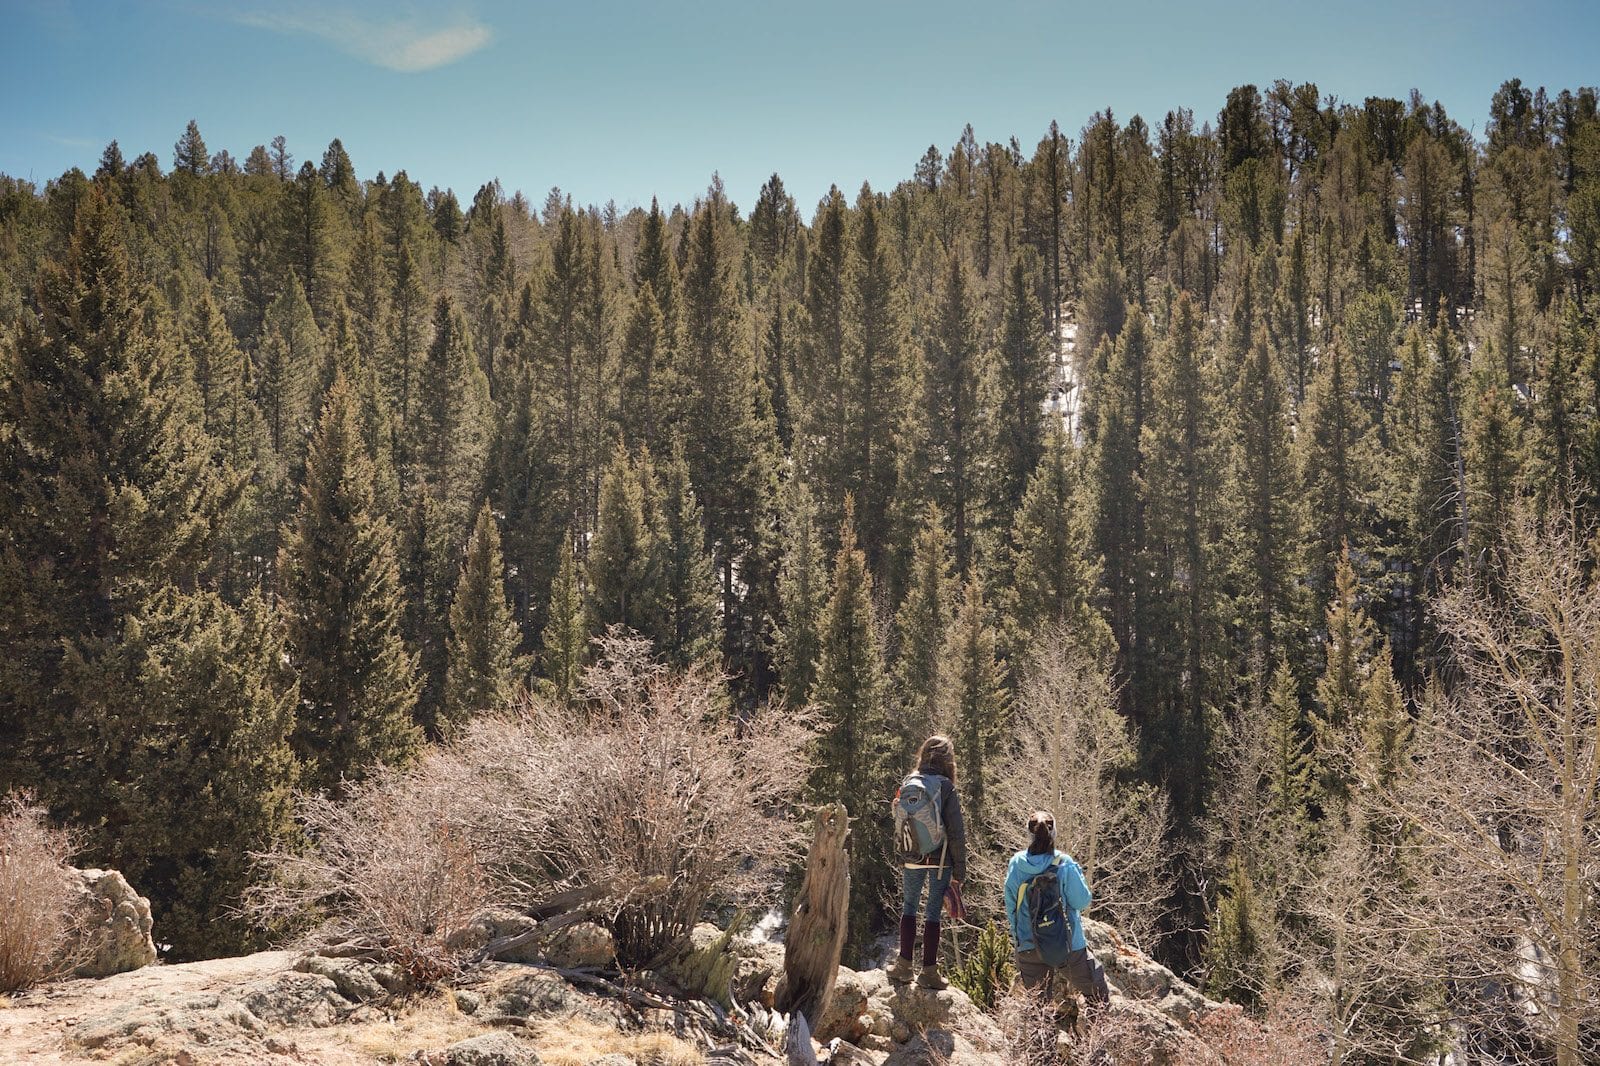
[819, 921]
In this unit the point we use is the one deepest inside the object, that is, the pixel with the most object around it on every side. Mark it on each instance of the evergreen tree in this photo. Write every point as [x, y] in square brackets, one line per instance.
[209, 780]
[876, 375]
[852, 765]
[1493, 460]
[1017, 385]
[950, 432]
[647, 394]
[1122, 397]
[1287, 779]
[483, 669]
[189, 155]
[802, 586]
[821, 441]
[1333, 466]
[565, 638]
[973, 700]
[1053, 578]
[682, 616]
[447, 435]
[1181, 456]
[287, 366]
[920, 627]
[408, 325]
[342, 607]
[1236, 968]
[107, 498]
[1341, 689]
[621, 567]
[729, 442]
[311, 242]
[1264, 530]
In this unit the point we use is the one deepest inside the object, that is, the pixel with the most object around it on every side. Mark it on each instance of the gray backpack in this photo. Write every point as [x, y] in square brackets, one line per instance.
[919, 814]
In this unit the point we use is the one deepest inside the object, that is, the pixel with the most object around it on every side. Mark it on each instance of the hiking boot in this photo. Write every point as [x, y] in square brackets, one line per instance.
[901, 971]
[930, 978]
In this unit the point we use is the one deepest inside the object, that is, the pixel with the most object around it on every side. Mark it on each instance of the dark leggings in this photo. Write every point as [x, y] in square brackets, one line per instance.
[1082, 971]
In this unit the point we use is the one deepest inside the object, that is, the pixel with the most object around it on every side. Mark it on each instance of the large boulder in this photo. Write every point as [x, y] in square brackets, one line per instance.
[114, 923]
[868, 1010]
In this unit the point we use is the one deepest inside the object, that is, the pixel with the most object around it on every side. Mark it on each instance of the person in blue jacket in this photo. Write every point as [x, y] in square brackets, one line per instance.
[1082, 970]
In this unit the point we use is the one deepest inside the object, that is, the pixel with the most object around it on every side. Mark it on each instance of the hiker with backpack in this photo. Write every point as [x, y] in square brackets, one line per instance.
[1045, 896]
[931, 842]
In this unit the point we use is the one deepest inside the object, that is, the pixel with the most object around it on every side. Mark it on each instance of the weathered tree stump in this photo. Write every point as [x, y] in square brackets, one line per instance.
[818, 923]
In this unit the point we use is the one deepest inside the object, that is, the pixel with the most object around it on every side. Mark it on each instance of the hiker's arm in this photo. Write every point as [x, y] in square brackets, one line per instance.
[1013, 885]
[1073, 888]
[955, 829]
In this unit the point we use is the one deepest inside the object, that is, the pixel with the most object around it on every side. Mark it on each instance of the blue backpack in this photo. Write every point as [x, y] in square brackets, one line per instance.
[1040, 899]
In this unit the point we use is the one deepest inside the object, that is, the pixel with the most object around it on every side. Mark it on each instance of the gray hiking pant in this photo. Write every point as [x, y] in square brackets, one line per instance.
[1082, 971]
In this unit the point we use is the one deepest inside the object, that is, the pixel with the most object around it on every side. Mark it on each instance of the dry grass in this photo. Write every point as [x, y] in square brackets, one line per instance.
[430, 1024]
[36, 898]
[578, 1042]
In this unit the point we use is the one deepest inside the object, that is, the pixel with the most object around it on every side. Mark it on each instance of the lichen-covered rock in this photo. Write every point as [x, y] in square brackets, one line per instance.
[490, 1049]
[585, 945]
[354, 979]
[115, 923]
[210, 1018]
[293, 998]
[518, 992]
[613, 1059]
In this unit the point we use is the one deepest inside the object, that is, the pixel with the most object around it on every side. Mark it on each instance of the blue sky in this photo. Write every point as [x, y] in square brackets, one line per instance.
[608, 99]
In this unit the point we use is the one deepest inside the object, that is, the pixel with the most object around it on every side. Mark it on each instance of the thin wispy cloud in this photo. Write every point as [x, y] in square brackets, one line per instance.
[406, 44]
[70, 142]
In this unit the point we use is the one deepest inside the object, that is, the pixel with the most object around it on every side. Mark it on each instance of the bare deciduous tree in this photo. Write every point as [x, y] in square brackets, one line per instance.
[1070, 754]
[1506, 794]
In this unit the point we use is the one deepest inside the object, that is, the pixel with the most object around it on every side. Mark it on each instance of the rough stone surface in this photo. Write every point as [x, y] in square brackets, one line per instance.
[517, 992]
[360, 981]
[613, 1059]
[583, 945]
[1135, 976]
[490, 1049]
[116, 925]
[295, 999]
[870, 1011]
[208, 1018]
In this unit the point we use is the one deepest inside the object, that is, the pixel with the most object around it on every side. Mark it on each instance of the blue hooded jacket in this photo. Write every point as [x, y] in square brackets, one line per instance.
[1075, 895]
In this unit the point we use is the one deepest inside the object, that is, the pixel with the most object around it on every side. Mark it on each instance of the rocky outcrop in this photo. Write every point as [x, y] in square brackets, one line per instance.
[114, 923]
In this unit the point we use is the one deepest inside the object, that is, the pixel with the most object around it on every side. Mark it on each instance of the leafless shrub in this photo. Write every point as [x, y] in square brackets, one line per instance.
[37, 923]
[653, 791]
[384, 871]
[1072, 753]
[1229, 1037]
[648, 797]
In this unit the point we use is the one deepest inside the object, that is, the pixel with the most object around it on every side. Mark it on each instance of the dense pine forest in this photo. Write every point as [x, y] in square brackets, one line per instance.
[1184, 473]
